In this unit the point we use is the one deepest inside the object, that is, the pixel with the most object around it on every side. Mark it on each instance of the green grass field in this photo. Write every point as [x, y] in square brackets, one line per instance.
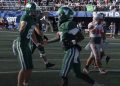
[9, 65]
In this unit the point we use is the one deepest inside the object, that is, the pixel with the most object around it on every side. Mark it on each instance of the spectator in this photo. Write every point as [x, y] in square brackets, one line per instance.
[92, 1]
[78, 5]
[79, 25]
[1, 23]
[38, 2]
[13, 25]
[6, 24]
[112, 30]
[90, 7]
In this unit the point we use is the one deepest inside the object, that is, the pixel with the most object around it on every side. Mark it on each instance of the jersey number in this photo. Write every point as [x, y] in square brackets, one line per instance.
[30, 32]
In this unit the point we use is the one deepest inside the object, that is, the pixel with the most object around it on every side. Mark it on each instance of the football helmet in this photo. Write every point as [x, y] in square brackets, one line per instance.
[30, 8]
[98, 16]
[64, 14]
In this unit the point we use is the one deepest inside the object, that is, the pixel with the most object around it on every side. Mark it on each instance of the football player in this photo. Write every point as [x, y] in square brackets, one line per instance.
[41, 39]
[69, 35]
[24, 43]
[96, 33]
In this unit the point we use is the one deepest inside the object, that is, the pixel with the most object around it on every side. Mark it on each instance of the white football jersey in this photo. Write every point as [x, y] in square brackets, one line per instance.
[98, 29]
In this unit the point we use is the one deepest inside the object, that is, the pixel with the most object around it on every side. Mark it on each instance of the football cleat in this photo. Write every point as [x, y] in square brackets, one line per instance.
[49, 65]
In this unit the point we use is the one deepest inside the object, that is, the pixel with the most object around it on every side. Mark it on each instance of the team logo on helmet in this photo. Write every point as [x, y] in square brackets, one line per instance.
[64, 14]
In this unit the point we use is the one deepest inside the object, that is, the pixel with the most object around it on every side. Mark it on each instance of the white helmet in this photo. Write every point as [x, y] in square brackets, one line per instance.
[98, 16]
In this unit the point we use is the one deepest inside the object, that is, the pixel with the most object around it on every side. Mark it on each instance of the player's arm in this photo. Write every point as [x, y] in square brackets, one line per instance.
[91, 28]
[22, 26]
[110, 27]
[55, 39]
[40, 33]
[38, 30]
[77, 33]
[23, 23]
[34, 39]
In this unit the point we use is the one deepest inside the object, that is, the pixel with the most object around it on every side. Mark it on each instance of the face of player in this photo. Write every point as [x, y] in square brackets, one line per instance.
[99, 21]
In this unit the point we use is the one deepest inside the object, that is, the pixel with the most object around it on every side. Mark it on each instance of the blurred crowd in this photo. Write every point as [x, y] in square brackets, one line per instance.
[4, 24]
[77, 5]
[81, 5]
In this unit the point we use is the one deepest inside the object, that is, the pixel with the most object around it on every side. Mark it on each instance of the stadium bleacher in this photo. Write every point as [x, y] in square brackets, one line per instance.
[9, 4]
[50, 5]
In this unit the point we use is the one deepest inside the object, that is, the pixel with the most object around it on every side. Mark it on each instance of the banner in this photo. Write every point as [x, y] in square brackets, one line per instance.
[77, 14]
[11, 16]
[15, 16]
[109, 14]
[90, 14]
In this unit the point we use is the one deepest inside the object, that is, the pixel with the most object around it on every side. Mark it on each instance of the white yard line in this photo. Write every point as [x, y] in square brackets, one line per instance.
[46, 34]
[87, 53]
[115, 44]
[44, 71]
[17, 32]
[15, 60]
[8, 32]
[108, 53]
[48, 53]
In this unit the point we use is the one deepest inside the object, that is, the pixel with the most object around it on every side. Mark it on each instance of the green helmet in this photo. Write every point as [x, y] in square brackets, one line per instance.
[30, 7]
[64, 14]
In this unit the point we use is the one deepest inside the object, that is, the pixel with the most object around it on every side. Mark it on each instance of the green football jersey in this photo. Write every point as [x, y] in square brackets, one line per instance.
[26, 34]
[65, 27]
